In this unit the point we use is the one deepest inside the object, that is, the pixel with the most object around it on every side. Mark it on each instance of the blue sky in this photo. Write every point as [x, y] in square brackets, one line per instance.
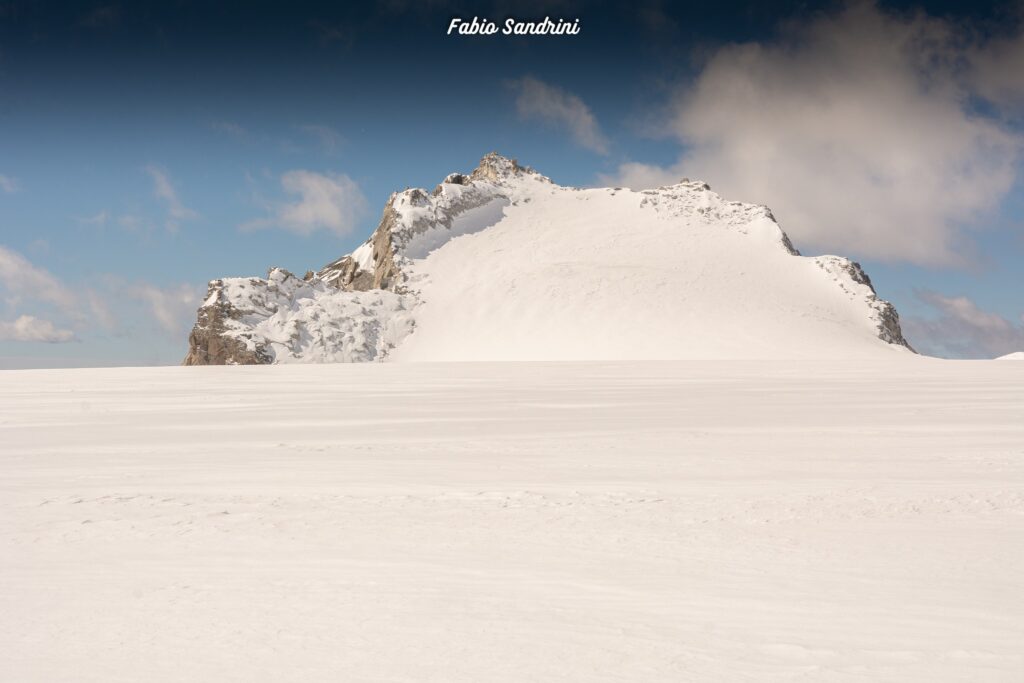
[146, 149]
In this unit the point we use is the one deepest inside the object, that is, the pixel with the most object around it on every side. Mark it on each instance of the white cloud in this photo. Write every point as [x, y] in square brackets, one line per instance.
[173, 308]
[22, 280]
[639, 176]
[538, 100]
[9, 184]
[330, 201]
[112, 305]
[164, 190]
[30, 329]
[855, 128]
[961, 329]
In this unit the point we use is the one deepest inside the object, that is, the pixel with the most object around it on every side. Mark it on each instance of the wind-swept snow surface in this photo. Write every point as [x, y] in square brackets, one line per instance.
[677, 272]
[514, 522]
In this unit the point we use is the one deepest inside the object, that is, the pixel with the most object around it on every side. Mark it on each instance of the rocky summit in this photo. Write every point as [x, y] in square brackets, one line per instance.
[503, 264]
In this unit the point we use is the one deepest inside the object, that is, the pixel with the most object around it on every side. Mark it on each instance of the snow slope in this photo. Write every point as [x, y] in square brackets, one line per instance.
[503, 264]
[1016, 355]
[564, 274]
[711, 521]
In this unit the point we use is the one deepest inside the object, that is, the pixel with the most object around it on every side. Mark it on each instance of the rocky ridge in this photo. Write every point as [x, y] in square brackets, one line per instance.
[362, 305]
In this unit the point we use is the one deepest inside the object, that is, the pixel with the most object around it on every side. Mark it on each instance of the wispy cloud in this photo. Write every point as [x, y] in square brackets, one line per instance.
[538, 100]
[28, 328]
[131, 222]
[299, 139]
[21, 279]
[165, 191]
[99, 219]
[99, 307]
[995, 70]
[24, 284]
[230, 128]
[655, 20]
[856, 128]
[173, 308]
[960, 329]
[330, 140]
[324, 201]
[328, 33]
[108, 304]
[9, 184]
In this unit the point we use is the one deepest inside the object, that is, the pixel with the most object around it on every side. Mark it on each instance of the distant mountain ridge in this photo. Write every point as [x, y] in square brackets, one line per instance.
[503, 264]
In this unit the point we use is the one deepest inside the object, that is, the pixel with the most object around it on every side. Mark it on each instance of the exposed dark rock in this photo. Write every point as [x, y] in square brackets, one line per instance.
[495, 167]
[346, 274]
[884, 313]
[385, 273]
[209, 345]
[888, 319]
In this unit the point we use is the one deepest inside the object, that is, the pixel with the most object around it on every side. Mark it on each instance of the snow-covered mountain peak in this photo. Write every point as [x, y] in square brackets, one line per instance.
[502, 263]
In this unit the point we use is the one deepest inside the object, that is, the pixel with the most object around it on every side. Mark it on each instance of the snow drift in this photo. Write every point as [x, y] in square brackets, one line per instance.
[503, 264]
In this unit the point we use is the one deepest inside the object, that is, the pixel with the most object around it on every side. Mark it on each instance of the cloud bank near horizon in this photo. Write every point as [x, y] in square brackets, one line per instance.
[959, 328]
[39, 306]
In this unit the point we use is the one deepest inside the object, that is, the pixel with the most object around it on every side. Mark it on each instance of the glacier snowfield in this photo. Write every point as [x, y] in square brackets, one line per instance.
[627, 521]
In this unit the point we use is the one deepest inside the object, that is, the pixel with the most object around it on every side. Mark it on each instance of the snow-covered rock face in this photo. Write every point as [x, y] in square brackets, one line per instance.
[415, 223]
[283, 319]
[503, 264]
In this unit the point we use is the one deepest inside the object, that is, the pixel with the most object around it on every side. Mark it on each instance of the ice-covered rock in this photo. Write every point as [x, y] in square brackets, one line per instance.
[282, 319]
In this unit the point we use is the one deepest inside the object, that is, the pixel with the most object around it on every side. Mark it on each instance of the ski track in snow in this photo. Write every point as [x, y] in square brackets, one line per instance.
[628, 521]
